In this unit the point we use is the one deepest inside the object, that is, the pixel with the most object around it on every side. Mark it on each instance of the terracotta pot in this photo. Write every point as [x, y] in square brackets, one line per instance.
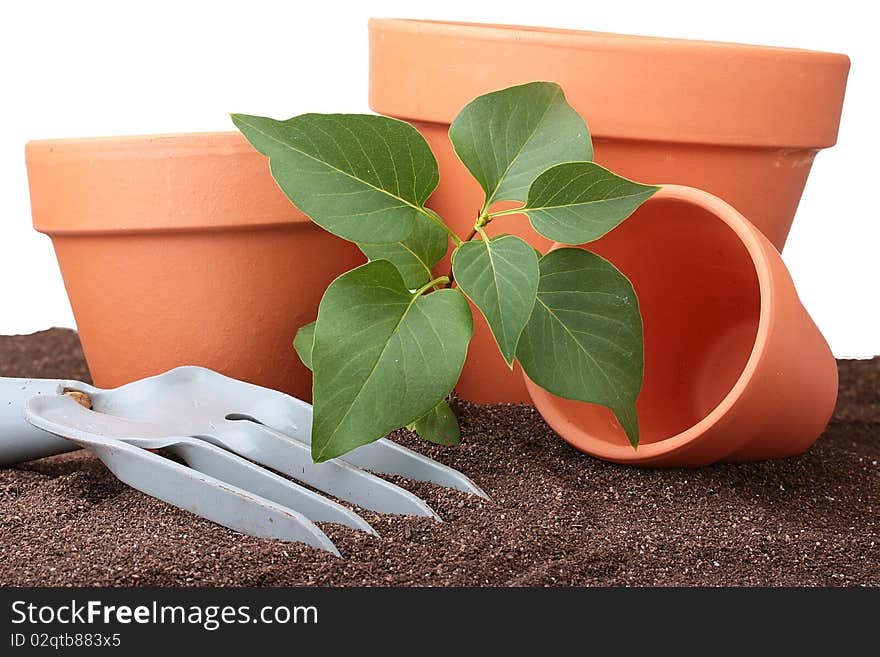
[743, 122]
[180, 249]
[735, 369]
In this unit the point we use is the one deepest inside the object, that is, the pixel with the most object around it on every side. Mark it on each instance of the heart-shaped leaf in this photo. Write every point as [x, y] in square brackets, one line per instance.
[578, 202]
[383, 357]
[584, 338]
[440, 426]
[303, 343]
[506, 138]
[501, 277]
[362, 177]
[416, 255]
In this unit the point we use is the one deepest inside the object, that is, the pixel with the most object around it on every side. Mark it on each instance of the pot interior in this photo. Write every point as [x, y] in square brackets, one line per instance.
[700, 300]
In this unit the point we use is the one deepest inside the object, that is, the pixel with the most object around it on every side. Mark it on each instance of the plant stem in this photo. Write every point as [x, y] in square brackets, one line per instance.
[433, 216]
[482, 220]
[437, 281]
[504, 213]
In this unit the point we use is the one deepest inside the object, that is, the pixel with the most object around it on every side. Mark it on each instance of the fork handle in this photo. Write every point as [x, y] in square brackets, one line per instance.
[19, 440]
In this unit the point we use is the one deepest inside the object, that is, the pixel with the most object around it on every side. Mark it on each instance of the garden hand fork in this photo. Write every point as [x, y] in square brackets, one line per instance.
[221, 428]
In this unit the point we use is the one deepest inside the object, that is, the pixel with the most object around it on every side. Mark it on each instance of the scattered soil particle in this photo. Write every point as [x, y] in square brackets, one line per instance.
[556, 517]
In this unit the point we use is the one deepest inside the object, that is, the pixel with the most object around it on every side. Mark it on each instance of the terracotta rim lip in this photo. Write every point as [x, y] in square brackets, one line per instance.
[165, 142]
[138, 195]
[256, 225]
[580, 38]
[752, 240]
[805, 93]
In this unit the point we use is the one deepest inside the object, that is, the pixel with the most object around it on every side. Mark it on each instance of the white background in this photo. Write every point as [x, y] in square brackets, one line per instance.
[82, 68]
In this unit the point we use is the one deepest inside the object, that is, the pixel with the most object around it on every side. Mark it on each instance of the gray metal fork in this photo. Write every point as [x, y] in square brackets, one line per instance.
[220, 427]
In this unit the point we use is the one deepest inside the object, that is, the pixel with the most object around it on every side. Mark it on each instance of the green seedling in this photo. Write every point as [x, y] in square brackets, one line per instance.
[391, 337]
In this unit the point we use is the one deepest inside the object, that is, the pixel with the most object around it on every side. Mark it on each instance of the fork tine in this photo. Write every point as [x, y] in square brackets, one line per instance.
[293, 417]
[280, 452]
[232, 469]
[387, 457]
[210, 498]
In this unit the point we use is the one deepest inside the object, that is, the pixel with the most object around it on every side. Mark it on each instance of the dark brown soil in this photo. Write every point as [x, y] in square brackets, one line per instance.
[557, 517]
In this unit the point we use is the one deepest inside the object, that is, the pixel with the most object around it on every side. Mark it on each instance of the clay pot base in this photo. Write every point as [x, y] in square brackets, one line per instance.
[230, 300]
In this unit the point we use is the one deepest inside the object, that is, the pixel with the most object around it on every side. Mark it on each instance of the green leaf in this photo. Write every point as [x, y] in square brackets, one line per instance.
[303, 343]
[362, 177]
[416, 255]
[584, 338]
[506, 138]
[439, 426]
[501, 278]
[578, 202]
[383, 356]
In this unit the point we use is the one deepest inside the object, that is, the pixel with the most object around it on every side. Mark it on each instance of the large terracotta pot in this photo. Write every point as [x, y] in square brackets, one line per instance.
[735, 369]
[181, 250]
[743, 122]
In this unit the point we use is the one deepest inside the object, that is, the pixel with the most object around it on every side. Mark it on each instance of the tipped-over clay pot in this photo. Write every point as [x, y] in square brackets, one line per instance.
[181, 250]
[743, 122]
[735, 369]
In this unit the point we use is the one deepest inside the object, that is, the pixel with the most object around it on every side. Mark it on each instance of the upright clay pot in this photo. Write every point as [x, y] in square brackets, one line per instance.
[181, 249]
[743, 122]
[735, 369]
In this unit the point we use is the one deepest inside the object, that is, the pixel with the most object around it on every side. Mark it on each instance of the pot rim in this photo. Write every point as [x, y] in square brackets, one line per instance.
[224, 140]
[172, 182]
[575, 38]
[727, 84]
[757, 247]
